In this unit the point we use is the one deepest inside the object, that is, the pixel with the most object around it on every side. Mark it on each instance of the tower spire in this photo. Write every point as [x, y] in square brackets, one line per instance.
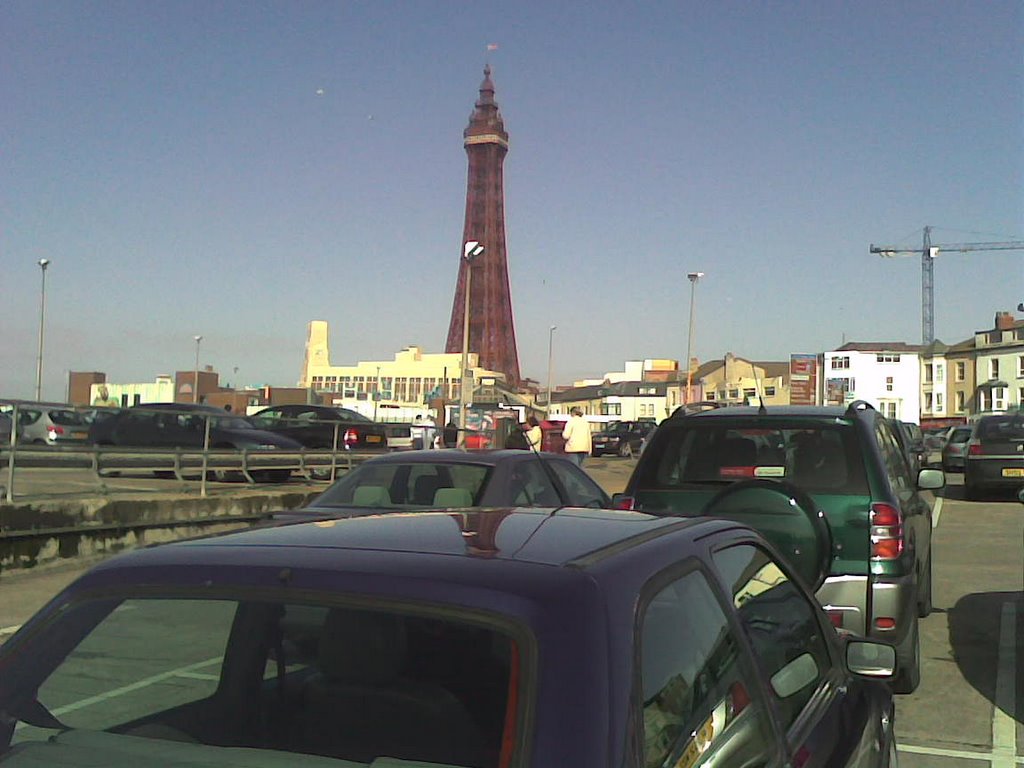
[491, 325]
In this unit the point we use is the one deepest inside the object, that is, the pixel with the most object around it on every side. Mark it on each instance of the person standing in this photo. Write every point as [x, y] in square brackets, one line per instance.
[577, 436]
[534, 434]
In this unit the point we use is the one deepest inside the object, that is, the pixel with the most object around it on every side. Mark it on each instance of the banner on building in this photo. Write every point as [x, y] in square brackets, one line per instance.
[803, 379]
[838, 391]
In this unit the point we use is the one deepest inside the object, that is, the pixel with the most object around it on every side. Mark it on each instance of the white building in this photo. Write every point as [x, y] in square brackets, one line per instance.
[999, 365]
[159, 391]
[885, 374]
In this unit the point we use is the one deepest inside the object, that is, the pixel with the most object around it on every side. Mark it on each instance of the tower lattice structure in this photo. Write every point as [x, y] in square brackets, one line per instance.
[492, 332]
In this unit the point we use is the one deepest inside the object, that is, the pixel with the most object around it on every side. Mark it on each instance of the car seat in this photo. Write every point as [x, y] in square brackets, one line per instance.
[371, 496]
[359, 706]
[451, 498]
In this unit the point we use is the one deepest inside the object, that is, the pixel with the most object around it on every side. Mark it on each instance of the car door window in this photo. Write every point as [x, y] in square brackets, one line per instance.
[530, 486]
[784, 626]
[893, 457]
[582, 491]
[700, 703]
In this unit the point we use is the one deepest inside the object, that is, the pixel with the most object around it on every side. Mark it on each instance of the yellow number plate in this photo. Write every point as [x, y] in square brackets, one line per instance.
[1013, 472]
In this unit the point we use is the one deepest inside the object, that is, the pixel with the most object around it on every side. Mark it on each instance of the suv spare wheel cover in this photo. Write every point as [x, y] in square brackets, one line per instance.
[786, 516]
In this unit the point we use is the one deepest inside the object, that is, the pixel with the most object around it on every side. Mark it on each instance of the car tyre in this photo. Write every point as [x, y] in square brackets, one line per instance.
[924, 589]
[909, 654]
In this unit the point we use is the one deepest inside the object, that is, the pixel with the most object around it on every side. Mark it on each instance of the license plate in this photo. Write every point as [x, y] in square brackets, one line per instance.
[1013, 472]
[79, 435]
[373, 438]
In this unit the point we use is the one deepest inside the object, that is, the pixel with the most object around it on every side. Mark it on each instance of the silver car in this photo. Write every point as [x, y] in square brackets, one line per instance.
[955, 449]
[46, 424]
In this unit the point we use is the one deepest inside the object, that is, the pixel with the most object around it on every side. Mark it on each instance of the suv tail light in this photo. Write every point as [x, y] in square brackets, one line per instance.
[886, 532]
[975, 449]
[351, 438]
[55, 430]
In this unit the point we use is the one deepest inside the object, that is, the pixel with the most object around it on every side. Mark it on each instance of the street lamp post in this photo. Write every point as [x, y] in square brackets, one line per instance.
[195, 379]
[693, 277]
[376, 393]
[551, 341]
[470, 251]
[43, 264]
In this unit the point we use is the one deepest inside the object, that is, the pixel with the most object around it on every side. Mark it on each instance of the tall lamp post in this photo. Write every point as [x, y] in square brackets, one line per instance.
[43, 264]
[376, 393]
[693, 277]
[551, 341]
[470, 252]
[195, 379]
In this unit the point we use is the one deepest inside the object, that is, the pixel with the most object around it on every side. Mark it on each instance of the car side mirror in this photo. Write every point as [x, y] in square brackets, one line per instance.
[868, 658]
[931, 479]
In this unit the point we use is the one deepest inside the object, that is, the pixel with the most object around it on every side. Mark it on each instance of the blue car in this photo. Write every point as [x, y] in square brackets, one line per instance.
[485, 638]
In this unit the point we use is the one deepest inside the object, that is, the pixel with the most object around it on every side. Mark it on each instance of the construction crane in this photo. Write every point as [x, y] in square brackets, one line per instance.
[929, 251]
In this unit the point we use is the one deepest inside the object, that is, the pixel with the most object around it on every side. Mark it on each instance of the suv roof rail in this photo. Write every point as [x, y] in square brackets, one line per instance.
[695, 407]
[858, 405]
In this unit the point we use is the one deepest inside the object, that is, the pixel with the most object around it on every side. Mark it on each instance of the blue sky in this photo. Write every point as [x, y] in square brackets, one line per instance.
[176, 164]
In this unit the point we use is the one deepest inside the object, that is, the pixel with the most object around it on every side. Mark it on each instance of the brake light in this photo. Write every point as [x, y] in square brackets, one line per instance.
[740, 698]
[56, 430]
[974, 449]
[886, 532]
[836, 617]
[624, 502]
[351, 437]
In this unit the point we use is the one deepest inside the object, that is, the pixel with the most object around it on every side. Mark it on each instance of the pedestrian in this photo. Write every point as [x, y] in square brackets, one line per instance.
[577, 436]
[451, 434]
[517, 437]
[429, 431]
[534, 434]
[416, 431]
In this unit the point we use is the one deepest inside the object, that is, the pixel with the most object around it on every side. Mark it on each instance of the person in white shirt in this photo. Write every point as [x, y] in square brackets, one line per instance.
[577, 436]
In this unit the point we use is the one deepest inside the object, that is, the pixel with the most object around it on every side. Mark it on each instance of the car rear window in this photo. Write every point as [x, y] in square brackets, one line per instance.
[391, 485]
[815, 456]
[264, 677]
[960, 435]
[1010, 427]
[67, 418]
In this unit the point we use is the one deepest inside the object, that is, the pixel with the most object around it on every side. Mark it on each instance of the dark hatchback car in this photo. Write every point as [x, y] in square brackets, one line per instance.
[853, 466]
[994, 457]
[487, 639]
[452, 479]
[621, 438]
[182, 425]
[321, 426]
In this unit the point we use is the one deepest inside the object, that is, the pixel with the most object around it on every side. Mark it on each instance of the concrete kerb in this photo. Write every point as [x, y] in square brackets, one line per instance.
[41, 533]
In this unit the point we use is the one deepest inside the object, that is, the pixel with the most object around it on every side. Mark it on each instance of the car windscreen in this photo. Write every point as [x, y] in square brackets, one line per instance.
[816, 456]
[238, 674]
[345, 414]
[394, 485]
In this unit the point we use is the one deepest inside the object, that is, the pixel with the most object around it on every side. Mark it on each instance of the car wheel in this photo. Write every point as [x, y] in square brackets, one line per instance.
[909, 655]
[924, 589]
[626, 451]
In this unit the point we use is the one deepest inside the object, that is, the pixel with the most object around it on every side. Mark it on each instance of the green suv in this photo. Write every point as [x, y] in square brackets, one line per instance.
[851, 464]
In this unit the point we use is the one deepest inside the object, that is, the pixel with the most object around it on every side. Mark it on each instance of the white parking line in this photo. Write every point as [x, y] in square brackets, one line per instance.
[144, 683]
[1004, 727]
[936, 511]
[9, 630]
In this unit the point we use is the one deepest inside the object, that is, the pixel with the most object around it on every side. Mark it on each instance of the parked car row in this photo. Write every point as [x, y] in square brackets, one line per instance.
[396, 633]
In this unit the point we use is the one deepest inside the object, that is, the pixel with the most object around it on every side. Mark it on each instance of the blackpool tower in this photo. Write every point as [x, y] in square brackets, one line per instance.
[492, 333]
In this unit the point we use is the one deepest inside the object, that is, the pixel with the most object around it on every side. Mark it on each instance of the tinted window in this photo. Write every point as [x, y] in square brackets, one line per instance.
[1001, 428]
[67, 418]
[893, 458]
[260, 674]
[817, 457]
[583, 492]
[697, 690]
[782, 623]
[530, 486]
[403, 485]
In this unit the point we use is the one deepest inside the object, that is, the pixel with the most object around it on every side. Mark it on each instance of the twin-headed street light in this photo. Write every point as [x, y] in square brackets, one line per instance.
[472, 250]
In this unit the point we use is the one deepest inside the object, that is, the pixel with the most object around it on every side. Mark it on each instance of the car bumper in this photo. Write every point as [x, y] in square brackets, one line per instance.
[994, 472]
[859, 602]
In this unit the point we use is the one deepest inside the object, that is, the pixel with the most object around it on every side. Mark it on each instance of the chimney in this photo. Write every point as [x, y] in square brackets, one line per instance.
[1005, 321]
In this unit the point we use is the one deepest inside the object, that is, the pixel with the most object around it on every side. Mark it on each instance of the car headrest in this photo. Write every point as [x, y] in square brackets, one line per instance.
[371, 496]
[453, 497]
